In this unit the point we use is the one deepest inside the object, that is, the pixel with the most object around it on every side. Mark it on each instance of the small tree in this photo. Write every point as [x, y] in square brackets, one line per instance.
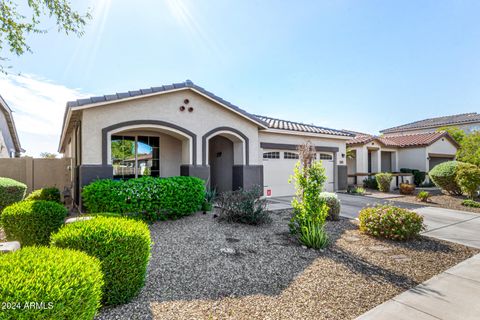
[468, 178]
[309, 211]
[456, 133]
[48, 155]
[470, 149]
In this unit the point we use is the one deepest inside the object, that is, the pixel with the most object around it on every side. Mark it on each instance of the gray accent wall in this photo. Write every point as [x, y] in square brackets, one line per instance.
[221, 163]
[342, 175]
[247, 177]
[202, 172]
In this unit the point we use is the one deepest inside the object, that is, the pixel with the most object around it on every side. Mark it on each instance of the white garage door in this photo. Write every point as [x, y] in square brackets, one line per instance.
[278, 167]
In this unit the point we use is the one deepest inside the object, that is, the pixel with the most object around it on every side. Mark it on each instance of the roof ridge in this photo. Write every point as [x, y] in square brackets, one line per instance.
[418, 123]
[301, 123]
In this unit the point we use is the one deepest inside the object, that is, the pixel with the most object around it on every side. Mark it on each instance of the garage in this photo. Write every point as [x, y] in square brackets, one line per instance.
[434, 160]
[278, 166]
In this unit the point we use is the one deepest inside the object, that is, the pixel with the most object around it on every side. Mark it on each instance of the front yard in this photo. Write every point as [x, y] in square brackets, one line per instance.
[204, 269]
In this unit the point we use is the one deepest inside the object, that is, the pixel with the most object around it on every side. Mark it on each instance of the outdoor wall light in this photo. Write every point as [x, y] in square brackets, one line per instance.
[343, 155]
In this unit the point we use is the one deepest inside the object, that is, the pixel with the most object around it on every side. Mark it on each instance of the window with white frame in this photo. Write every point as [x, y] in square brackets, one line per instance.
[271, 155]
[290, 155]
[326, 156]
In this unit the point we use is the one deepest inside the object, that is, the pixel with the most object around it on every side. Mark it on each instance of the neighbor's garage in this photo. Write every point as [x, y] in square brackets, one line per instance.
[434, 160]
[278, 166]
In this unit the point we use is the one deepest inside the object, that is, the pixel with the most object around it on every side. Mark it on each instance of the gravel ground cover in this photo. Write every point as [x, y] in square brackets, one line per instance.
[203, 269]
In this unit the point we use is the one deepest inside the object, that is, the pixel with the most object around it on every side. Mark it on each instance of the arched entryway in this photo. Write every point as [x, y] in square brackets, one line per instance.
[224, 148]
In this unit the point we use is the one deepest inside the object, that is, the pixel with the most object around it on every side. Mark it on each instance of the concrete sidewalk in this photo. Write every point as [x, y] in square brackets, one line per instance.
[451, 295]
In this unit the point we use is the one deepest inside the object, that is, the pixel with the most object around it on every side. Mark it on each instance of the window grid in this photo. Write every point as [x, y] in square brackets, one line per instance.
[271, 155]
[290, 155]
[326, 156]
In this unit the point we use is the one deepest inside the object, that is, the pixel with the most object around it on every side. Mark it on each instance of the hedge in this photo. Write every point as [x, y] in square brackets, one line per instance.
[333, 203]
[11, 191]
[32, 222]
[48, 194]
[122, 246]
[152, 198]
[49, 283]
[444, 174]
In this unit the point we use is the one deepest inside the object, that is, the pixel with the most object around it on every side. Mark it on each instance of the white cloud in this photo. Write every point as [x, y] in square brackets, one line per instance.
[38, 106]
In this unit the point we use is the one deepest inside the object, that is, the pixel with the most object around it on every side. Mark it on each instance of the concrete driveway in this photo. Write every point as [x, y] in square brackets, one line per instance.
[451, 225]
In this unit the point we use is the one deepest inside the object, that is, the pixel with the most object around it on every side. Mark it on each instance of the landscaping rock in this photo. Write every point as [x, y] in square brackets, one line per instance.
[400, 258]
[228, 251]
[72, 220]
[380, 248]
[6, 247]
[351, 239]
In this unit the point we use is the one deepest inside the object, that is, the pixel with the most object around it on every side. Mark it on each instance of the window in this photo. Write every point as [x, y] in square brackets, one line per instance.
[135, 156]
[290, 155]
[271, 155]
[326, 156]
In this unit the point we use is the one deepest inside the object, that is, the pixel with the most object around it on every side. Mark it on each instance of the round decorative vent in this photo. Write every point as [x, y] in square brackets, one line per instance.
[190, 109]
[186, 101]
[182, 108]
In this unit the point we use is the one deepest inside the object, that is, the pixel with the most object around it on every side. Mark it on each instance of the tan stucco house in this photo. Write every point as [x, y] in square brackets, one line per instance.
[9, 142]
[421, 151]
[182, 129]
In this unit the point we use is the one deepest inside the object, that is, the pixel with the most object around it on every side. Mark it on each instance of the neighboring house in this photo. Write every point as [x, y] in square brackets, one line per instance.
[421, 151]
[182, 129]
[9, 142]
[468, 122]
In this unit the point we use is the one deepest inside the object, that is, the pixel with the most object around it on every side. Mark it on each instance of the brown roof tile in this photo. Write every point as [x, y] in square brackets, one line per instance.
[436, 122]
[404, 140]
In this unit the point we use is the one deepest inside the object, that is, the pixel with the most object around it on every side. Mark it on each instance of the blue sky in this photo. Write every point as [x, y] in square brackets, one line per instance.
[359, 65]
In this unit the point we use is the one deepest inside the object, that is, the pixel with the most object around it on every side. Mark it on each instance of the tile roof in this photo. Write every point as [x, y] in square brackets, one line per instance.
[404, 140]
[300, 127]
[436, 122]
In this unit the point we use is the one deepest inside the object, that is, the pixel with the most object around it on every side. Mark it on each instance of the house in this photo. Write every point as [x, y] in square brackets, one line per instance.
[183, 129]
[421, 151]
[9, 141]
[467, 121]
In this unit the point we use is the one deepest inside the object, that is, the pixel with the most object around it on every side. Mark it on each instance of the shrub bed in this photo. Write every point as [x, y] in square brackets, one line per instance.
[11, 191]
[370, 183]
[471, 203]
[32, 222]
[48, 194]
[151, 198]
[122, 246]
[468, 179]
[243, 206]
[407, 188]
[389, 222]
[333, 204]
[443, 175]
[63, 284]
[384, 180]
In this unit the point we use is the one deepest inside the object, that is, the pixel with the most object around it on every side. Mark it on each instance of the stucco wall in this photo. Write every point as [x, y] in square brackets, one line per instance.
[206, 116]
[298, 140]
[442, 146]
[5, 138]
[413, 158]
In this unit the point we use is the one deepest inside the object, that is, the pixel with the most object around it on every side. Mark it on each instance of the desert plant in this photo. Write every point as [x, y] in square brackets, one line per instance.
[468, 178]
[333, 203]
[243, 206]
[423, 196]
[62, 284]
[359, 190]
[149, 197]
[390, 222]
[309, 211]
[11, 191]
[48, 194]
[210, 196]
[407, 188]
[122, 246]
[443, 175]
[471, 203]
[32, 222]
[370, 183]
[384, 180]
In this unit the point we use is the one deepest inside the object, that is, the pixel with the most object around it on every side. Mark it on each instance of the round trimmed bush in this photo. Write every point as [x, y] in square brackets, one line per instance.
[333, 204]
[390, 222]
[444, 174]
[11, 191]
[62, 284]
[123, 247]
[48, 194]
[384, 180]
[32, 222]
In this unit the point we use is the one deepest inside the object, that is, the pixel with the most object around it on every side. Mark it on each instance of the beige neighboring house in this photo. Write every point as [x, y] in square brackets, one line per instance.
[420, 151]
[467, 121]
[9, 142]
[183, 129]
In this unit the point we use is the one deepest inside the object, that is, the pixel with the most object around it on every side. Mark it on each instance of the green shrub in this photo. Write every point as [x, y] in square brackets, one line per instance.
[152, 198]
[210, 196]
[384, 180]
[64, 284]
[468, 178]
[370, 183]
[11, 191]
[48, 194]
[243, 206]
[32, 222]
[423, 196]
[471, 203]
[418, 176]
[333, 203]
[309, 211]
[389, 222]
[122, 246]
[443, 175]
